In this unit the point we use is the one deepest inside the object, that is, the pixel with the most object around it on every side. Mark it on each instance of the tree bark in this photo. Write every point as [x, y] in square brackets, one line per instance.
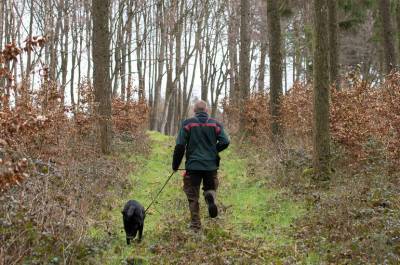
[64, 51]
[139, 59]
[88, 39]
[101, 66]
[1, 23]
[263, 48]
[3, 18]
[297, 52]
[275, 54]
[157, 92]
[387, 32]
[245, 68]
[333, 44]
[74, 34]
[321, 135]
[29, 53]
[398, 30]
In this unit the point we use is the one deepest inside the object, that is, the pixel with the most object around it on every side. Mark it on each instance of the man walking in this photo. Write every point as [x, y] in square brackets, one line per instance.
[202, 138]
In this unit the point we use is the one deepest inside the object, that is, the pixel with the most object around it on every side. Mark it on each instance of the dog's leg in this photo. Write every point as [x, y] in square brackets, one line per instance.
[140, 232]
[128, 241]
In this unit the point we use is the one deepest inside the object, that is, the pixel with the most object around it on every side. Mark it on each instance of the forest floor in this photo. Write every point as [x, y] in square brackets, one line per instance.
[254, 226]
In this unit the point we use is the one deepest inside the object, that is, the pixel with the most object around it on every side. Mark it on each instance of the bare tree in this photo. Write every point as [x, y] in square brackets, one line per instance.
[263, 48]
[333, 44]
[160, 69]
[245, 68]
[101, 74]
[398, 28]
[275, 55]
[321, 133]
[387, 34]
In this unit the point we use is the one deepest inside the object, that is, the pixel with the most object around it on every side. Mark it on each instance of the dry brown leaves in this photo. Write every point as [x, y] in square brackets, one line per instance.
[361, 116]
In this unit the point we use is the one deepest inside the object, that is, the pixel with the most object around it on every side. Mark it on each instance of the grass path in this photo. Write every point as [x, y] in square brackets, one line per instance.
[252, 228]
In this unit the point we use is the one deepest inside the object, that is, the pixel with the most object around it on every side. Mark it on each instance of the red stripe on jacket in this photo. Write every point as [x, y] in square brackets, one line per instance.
[191, 125]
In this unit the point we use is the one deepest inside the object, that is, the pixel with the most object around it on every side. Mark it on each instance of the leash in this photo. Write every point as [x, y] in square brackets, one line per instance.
[165, 184]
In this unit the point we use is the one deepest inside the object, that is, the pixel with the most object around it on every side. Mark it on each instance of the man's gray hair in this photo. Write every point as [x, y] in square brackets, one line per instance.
[200, 106]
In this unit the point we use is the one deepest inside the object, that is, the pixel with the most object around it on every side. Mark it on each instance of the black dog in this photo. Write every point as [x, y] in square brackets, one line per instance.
[133, 216]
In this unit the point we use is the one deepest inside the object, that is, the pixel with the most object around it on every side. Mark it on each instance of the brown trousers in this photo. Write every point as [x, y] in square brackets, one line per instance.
[191, 187]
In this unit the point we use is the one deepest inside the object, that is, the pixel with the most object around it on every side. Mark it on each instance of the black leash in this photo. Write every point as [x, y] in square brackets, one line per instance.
[165, 184]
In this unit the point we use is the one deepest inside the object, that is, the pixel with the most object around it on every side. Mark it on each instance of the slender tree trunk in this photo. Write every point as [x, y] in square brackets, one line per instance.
[263, 48]
[79, 62]
[123, 66]
[64, 60]
[1, 24]
[170, 90]
[261, 74]
[101, 74]
[3, 19]
[88, 40]
[129, 44]
[275, 54]
[8, 30]
[233, 60]
[333, 44]
[74, 33]
[54, 43]
[117, 55]
[157, 92]
[178, 45]
[297, 52]
[245, 68]
[321, 143]
[29, 53]
[139, 59]
[387, 32]
[204, 55]
[285, 66]
[398, 30]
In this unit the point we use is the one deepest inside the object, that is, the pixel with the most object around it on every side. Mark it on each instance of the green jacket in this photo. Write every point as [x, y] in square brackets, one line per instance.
[202, 138]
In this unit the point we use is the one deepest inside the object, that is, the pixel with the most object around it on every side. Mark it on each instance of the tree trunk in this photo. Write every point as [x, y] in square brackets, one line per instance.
[29, 53]
[321, 135]
[54, 43]
[2, 29]
[245, 68]
[263, 48]
[65, 55]
[117, 56]
[398, 29]
[204, 63]
[297, 52]
[275, 54]
[333, 45]
[74, 33]
[387, 32]
[88, 40]
[101, 74]
[157, 93]
[129, 26]
[1, 24]
[139, 59]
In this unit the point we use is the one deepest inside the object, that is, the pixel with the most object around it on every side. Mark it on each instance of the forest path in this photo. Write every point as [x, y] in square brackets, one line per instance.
[252, 227]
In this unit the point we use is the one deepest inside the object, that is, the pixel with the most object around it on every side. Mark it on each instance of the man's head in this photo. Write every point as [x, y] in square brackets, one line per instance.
[200, 106]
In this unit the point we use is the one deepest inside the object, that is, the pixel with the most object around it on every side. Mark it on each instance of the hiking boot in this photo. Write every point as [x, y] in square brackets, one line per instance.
[209, 196]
